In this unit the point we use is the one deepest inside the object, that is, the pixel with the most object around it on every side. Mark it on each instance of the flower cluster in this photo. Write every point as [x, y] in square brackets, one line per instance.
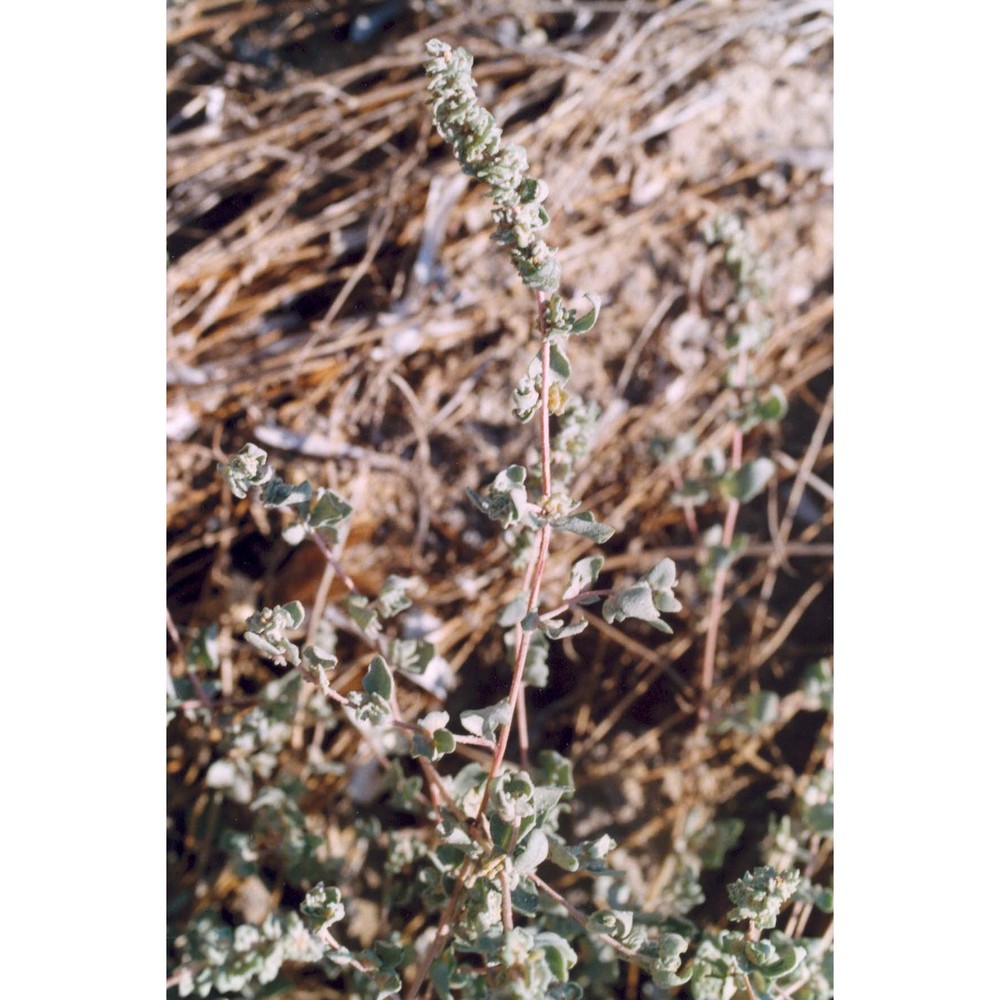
[476, 138]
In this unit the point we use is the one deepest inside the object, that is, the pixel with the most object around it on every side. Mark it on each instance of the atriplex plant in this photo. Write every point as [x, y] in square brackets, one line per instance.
[481, 920]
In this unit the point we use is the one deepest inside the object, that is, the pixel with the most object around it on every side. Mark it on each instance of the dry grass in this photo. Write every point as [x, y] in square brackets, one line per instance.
[333, 296]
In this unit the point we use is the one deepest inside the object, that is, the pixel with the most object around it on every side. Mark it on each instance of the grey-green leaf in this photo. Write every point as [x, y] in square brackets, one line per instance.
[514, 612]
[583, 575]
[559, 364]
[278, 493]
[556, 630]
[534, 852]
[392, 598]
[559, 956]
[444, 741]
[586, 322]
[296, 613]
[412, 655]
[378, 680]
[329, 510]
[484, 722]
[585, 524]
[749, 480]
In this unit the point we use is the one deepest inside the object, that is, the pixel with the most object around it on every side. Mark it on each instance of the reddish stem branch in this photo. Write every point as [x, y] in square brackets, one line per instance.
[728, 531]
[328, 554]
[515, 695]
[581, 918]
[443, 929]
[544, 409]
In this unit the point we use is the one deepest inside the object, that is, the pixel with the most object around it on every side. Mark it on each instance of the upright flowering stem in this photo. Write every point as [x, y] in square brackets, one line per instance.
[518, 215]
[515, 697]
[746, 266]
[543, 414]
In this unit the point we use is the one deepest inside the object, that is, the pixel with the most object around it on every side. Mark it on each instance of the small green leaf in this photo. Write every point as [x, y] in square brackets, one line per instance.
[775, 405]
[203, 653]
[820, 896]
[817, 686]
[444, 741]
[774, 958]
[693, 491]
[586, 322]
[440, 977]
[561, 855]
[559, 364]
[663, 576]
[634, 602]
[378, 680]
[819, 818]
[592, 854]
[718, 556]
[266, 632]
[614, 923]
[559, 956]
[296, 613]
[542, 276]
[278, 493]
[526, 393]
[317, 663]
[386, 983]
[435, 741]
[748, 481]
[433, 721]
[668, 961]
[328, 511]
[762, 709]
[524, 898]
[365, 615]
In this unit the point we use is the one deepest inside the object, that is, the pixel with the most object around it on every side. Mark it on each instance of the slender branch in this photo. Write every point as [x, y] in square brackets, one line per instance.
[573, 601]
[543, 410]
[728, 531]
[545, 535]
[331, 558]
[506, 905]
[448, 915]
[515, 694]
[581, 918]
